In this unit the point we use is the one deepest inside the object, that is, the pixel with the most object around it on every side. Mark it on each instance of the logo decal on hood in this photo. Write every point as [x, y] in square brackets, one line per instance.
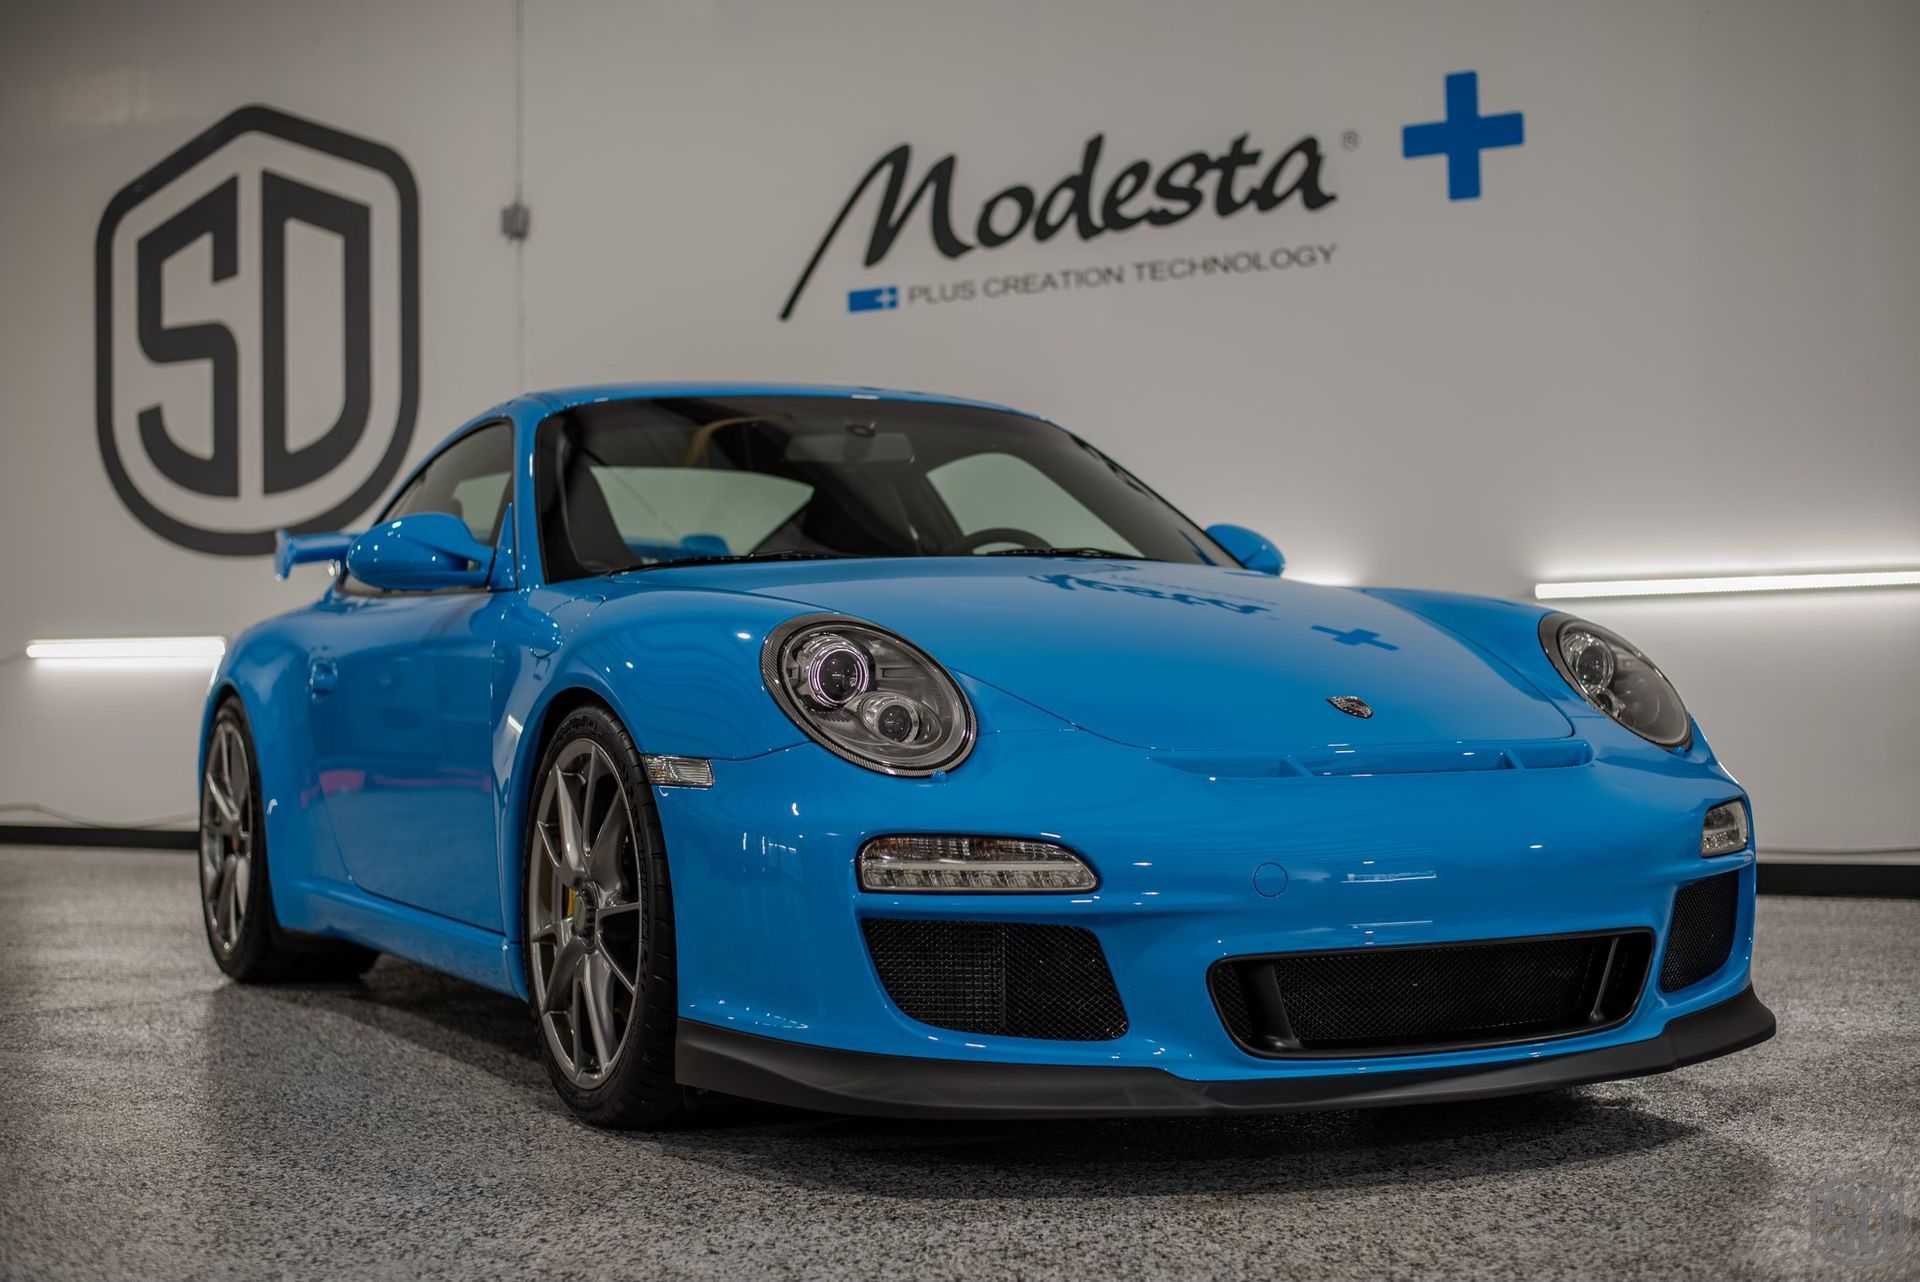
[1351, 704]
[1074, 582]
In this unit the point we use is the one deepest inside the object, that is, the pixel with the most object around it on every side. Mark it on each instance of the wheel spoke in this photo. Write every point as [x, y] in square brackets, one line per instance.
[613, 968]
[227, 817]
[242, 879]
[599, 1010]
[567, 876]
[218, 894]
[591, 778]
[223, 901]
[227, 774]
[570, 853]
[566, 970]
[541, 934]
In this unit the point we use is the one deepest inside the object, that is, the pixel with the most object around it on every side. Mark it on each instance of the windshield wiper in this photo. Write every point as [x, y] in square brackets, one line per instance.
[1101, 553]
[732, 560]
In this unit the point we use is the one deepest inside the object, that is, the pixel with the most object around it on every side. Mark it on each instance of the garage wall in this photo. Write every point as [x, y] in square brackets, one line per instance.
[1674, 333]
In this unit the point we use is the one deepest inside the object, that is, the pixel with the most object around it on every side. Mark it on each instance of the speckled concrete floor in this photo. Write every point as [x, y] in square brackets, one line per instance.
[158, 1122]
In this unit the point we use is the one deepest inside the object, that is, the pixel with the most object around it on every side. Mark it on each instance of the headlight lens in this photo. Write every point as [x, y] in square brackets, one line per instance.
[834, 669]
[875, 698]
[1617, 679]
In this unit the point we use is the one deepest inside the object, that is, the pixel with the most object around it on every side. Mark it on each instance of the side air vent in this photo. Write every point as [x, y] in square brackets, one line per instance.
[1701, 937]
[1008, 979]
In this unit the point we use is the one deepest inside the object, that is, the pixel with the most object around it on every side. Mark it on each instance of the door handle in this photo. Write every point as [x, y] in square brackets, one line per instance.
[322, 677]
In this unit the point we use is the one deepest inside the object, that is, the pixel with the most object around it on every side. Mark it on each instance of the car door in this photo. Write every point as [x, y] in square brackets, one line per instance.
[401, 688]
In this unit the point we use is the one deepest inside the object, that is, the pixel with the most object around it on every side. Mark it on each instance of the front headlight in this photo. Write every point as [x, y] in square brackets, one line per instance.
[876, 699]
[1617, 679]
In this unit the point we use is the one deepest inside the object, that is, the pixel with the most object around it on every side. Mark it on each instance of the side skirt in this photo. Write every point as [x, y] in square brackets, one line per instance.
[440, 943]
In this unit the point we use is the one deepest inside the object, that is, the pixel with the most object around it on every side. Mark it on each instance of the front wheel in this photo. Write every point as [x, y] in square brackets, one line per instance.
[599, 913]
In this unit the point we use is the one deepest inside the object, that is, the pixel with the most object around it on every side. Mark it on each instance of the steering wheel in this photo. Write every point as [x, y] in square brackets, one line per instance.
[995, 534]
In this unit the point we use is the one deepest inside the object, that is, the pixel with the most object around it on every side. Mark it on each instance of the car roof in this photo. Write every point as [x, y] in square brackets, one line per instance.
[568, 397]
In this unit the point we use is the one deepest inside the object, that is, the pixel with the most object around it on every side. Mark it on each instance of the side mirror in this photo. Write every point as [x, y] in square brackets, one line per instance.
[1254, 551]
[420, 552]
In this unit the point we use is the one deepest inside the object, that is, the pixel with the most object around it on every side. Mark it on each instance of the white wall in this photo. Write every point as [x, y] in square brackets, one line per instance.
[1677, 332]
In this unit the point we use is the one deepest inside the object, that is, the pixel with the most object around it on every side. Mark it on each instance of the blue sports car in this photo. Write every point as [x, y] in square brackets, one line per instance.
[893, 754]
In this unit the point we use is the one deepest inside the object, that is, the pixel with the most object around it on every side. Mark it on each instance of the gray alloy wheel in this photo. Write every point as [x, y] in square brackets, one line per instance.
[226, 837]
[585, 913]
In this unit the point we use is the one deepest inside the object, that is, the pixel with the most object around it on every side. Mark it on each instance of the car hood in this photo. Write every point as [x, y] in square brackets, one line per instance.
[1171, 657]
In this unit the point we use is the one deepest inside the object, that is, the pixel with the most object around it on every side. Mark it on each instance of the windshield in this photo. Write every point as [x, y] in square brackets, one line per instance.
[624, 485]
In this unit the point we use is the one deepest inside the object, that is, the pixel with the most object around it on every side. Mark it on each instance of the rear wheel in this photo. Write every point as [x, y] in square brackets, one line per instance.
[236, 900]
[599, 911]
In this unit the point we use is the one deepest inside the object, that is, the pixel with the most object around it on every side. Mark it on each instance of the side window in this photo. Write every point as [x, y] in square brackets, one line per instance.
[999, 491]
[471, 479]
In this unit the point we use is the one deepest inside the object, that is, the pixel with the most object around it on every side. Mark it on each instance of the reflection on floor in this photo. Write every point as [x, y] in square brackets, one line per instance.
[156, 1121]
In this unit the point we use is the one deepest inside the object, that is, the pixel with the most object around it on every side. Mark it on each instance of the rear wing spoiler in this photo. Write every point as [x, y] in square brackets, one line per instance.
[290, 550]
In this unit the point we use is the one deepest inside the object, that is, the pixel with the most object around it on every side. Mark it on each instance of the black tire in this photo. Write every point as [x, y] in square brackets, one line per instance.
[259, 949]
[635, 1089]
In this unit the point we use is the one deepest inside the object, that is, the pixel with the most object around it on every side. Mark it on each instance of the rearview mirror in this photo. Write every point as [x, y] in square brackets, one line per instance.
[1252, 550]
[420, 552]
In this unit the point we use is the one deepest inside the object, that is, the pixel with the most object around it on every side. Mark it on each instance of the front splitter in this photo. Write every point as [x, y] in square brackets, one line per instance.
[836, 1081]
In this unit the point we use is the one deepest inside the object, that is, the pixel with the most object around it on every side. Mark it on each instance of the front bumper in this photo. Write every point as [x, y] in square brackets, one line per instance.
[769, 915]
[836, 1081]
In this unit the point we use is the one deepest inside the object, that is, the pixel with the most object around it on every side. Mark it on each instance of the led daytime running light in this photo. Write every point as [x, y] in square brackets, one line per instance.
[971, 864]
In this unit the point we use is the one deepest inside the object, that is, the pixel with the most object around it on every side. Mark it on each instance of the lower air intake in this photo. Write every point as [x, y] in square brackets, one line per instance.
[1404, 1000]
[1007, 979]
[1701, 937]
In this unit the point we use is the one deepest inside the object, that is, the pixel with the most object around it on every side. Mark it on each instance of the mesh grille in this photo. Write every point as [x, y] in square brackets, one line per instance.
[1231, 998]
[1451, 995]
[1008, 979]
[1701, 937]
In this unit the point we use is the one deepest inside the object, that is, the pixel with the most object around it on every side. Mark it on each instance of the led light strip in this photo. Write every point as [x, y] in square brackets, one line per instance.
[1715, 584]
[129, 649]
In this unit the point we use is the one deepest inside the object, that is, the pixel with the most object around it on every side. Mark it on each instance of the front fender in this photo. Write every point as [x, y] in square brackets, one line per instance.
[681, 669]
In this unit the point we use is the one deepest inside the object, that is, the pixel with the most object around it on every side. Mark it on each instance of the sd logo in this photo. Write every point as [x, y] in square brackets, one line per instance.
[257, 332]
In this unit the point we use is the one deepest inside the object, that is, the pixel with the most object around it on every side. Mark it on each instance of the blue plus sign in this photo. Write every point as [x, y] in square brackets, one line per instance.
[1359, 636]
[1463, 135]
